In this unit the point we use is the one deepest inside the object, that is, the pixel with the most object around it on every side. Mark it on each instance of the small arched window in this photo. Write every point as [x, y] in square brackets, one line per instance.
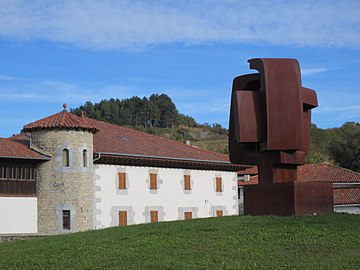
[65, 157]
[84, 157]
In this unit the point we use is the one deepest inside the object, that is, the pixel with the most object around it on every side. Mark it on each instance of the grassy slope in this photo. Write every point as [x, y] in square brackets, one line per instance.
[310, 242]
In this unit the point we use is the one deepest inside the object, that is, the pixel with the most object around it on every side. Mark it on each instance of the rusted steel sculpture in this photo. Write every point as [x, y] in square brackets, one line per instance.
[270, 127]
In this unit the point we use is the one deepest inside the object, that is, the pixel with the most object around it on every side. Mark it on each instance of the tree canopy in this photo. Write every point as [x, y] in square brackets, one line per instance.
[155, 111]
[340, 146]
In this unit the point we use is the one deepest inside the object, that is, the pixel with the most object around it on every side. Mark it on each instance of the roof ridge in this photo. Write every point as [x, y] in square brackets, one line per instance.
[330, 165]
[342, 168]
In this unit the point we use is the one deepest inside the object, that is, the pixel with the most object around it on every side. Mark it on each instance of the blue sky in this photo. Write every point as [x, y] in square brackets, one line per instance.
[53, 52]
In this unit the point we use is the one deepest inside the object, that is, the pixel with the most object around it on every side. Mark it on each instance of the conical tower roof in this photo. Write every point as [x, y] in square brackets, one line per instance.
[61, 120]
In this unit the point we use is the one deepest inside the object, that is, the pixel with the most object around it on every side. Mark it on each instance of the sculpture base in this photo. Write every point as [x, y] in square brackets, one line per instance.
[288, 199]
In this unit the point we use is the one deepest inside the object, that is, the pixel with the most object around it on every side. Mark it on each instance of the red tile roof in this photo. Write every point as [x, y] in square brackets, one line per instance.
[326, 173]
[347, 196]
[125, 141]
[18, 148]
[61, 120]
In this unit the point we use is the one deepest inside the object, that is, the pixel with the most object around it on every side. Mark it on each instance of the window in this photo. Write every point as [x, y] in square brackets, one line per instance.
[154, 216]
[187, 183]
[218, 184]
[17, 172]
[153, 181]
[12, 170]
[188, 215]
[3, 171]
[66, 219]
[122, 180]
[219, 213]
[65, 158]
[23, 172]
[123, 218]
[84, 157]
[31, 174]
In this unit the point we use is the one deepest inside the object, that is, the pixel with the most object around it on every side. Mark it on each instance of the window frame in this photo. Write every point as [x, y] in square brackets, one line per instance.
[84, 158]
[66, 220]
[65, 158]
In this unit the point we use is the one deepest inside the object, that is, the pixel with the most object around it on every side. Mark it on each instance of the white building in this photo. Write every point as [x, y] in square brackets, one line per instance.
[66, 173]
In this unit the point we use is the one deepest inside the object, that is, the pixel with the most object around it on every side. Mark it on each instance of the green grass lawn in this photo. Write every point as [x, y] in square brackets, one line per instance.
[308, 242]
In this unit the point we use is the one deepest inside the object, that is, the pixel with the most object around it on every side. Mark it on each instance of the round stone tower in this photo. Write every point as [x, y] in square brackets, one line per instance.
[65, 189]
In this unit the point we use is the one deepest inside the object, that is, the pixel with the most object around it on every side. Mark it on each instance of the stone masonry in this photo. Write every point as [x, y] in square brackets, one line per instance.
[64, 188]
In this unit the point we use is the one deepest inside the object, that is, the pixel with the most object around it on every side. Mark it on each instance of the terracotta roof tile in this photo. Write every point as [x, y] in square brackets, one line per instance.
[347, 196]
[125, 141]
[326, 173]
[61, 120]
[17, 148]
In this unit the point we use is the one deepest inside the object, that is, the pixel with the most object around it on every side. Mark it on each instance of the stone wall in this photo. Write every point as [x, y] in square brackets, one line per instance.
[64, 188]
[13, 237]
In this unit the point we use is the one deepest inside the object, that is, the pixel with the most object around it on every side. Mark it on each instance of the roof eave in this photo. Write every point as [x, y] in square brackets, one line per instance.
[30, 158]
[140, 160]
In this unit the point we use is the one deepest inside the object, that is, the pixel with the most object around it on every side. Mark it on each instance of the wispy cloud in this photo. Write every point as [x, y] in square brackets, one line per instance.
[58, 92]
[6, 78]
[310, 71]
[220, 108]
[113, 24]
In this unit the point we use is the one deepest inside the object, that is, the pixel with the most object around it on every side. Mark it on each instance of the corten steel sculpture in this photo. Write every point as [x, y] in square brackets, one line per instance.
[270, 127]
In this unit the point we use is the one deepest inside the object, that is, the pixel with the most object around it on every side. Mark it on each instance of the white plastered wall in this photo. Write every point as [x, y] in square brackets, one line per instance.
[350, 209]
[18, 215]
[170, 199]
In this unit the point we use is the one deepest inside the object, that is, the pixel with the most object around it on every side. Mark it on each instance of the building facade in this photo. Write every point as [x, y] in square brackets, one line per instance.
[66, 173]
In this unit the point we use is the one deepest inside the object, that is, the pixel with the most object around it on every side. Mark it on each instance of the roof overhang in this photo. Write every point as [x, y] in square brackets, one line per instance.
[167, 162]
[25, 158]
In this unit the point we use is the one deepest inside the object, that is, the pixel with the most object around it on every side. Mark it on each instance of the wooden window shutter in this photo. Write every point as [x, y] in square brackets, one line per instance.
[188, 215]
[218, 184]
[219, 213]
[154, 216]
[122, 180]
[187, 185]
[153, 181]
[123, 218]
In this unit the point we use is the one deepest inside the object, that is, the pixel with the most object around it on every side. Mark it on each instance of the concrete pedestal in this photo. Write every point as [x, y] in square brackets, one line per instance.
[288, 199]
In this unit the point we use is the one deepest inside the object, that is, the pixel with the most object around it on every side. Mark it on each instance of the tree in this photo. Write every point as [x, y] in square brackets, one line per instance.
[346, 149]
[167, 110]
